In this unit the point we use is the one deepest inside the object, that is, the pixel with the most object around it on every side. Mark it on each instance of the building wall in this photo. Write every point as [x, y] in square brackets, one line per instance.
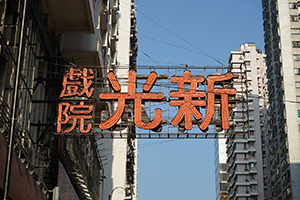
[281, 26]
[47, 54]
[121, 164]
[221, 174]
[244, 147]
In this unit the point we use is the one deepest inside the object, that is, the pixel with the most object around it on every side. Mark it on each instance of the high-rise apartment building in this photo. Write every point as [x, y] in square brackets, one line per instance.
[282, 42]
[221, 174]
[244, 142]
[120, 53]
[43, 43]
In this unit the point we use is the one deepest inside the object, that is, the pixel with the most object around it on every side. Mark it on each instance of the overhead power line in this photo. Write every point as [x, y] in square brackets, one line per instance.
[203, 52]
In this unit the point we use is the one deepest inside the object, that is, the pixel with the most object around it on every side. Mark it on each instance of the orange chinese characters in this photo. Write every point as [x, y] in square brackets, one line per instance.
[211, 92]
[136, 96]
[188, 99]
[80, 112]
[73, 79]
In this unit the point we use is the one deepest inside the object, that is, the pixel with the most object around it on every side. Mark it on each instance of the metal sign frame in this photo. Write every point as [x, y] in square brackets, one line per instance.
[141, 109]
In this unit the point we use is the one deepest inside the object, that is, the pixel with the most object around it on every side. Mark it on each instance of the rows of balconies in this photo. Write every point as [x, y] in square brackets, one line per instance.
[274, 146]
[287, 194]
[130, 168]
[70, 17]
[85, 39]
[277, 190]
[275, 161]
[275, 175]
[133, 38]
[286, 178]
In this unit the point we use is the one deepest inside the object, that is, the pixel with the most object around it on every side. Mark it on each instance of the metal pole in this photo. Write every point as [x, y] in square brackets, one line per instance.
[14, 107]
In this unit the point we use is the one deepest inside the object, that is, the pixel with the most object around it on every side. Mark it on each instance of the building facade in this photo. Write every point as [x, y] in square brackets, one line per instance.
[42, 44]
[221, 169]
[244, 140]
[120, 55]
[282, 36]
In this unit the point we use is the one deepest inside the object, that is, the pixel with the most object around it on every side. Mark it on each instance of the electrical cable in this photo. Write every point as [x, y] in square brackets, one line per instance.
[204, 53]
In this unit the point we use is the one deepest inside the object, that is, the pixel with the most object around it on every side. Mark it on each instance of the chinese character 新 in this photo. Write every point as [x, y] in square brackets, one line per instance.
[189, 99]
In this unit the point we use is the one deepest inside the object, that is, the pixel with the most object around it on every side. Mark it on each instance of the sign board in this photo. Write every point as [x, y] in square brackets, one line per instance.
[193, 94]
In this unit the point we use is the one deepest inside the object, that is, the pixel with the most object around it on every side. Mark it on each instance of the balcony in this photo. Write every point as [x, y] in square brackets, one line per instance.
[83, 49]
[71, 17]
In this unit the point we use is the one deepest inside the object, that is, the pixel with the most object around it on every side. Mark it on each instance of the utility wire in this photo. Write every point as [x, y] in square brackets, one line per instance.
[149, 57]
[170, 44]
[204, 53]
[166, 85]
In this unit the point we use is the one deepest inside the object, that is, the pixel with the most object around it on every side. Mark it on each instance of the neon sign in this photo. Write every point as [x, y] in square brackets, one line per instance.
[188, 101]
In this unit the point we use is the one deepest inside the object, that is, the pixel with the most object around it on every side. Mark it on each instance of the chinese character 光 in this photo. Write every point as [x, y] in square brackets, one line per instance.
[136, 96]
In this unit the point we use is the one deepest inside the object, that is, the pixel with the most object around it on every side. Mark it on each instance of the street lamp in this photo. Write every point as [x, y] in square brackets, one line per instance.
[118, 187]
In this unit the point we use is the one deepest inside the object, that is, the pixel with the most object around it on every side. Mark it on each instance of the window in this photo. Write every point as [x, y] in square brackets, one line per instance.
[294, 18]
[296, 57]
[298, 99]
[253, 187]
[296, 44]
[295, 31]
[223, 186]
[293, 5]
[297, 71]
[297, 84]
[223, 167]
[251, 123]
[248, 63]
[251, 143]
[298, 113]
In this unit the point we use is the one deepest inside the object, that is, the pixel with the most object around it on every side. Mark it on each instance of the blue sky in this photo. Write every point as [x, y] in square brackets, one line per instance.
[184, 169]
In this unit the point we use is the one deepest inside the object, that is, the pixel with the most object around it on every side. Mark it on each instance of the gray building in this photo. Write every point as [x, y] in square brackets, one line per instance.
[282, 46]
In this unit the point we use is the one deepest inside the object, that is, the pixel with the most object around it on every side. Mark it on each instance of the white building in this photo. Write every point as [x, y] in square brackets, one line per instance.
[244, 142]
[220, 170]
[118, 39]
